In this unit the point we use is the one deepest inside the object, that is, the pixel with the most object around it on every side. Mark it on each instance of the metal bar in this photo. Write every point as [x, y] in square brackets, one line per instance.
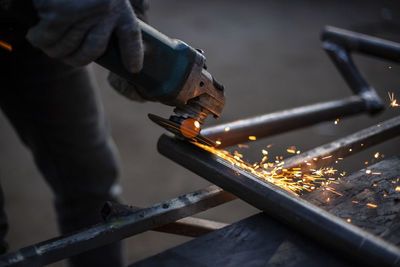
[118, 228]
[283, 121]
[369, 45]
[349, 145]
[357, 245]
[189, 226]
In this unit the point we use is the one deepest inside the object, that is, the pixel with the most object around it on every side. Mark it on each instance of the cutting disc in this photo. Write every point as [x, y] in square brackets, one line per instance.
[176, 129]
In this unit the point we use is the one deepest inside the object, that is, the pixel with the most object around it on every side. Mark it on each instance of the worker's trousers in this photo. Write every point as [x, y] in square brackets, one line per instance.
[56, 113]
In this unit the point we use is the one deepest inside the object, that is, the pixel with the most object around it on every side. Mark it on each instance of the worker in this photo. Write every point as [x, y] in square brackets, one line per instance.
[50, 99]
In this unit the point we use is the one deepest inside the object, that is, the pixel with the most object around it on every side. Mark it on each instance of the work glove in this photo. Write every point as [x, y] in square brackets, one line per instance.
[125, 87]
[120, 84]
[78, 31]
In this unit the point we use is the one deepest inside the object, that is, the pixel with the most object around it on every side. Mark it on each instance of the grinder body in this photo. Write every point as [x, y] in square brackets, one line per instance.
[173, 73]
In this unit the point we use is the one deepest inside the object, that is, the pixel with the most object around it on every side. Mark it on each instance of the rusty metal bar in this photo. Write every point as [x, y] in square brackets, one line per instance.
[283, 121]
[117, 228]
[357, 245]
[328, 153]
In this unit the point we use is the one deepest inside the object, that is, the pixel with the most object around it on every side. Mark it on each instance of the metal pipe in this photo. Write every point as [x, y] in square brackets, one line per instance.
[324, 155]
[283, 121]
[117, 228]
[357, 42]
[358, 245]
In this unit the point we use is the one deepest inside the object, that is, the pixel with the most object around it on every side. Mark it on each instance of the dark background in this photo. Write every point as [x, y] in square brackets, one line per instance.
[268, 56]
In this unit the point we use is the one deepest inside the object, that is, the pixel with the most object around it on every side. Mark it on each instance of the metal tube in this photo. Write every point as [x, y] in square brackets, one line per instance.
[328, 153]
[358, 245]
[117, 229]
[369, 45]
[283, 121]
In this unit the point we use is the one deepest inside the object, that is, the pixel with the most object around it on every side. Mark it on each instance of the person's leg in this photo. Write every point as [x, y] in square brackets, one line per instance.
[55, 111]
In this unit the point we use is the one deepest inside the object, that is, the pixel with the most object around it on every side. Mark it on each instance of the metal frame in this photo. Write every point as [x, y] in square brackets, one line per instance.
[123, 221]
[339, 44]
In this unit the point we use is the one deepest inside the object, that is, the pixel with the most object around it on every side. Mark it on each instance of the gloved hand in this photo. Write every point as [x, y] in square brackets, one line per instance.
[125, 87]
[140, 7]
[78, 31]
[118, 83]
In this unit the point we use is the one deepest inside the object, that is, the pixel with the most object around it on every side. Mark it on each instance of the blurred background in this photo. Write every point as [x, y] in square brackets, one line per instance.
[268, 56]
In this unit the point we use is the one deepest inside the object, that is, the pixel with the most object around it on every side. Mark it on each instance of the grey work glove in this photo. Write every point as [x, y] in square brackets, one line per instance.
[118, 83]
[78, 31]
[124, 87]
[140, 7]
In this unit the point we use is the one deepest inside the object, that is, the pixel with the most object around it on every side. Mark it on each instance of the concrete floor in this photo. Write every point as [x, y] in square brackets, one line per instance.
[268, 56]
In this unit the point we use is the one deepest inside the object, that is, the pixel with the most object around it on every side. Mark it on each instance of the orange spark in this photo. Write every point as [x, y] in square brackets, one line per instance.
[289, 179]
[6, 46]
[372, 205]
[393, 100]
